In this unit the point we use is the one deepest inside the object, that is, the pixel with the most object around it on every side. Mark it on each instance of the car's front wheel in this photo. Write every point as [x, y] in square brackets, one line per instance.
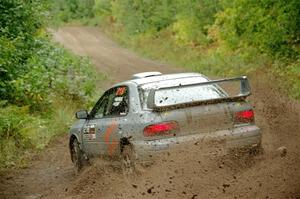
[76, 155]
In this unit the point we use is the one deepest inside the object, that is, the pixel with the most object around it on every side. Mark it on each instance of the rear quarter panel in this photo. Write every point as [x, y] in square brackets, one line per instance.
[197, 119]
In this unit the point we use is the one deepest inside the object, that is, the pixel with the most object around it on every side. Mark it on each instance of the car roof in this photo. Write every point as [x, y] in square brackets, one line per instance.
[158, 78]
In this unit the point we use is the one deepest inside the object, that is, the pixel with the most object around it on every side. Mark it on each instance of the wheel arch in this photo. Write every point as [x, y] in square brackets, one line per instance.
[125, 141]
[72, 138]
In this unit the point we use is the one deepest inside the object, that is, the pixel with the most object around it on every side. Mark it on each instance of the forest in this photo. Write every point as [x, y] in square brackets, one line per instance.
[40, 84]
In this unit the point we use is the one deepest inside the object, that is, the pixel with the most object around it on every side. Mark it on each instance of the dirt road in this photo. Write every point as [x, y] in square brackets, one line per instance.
[196, 171]
[115, 62]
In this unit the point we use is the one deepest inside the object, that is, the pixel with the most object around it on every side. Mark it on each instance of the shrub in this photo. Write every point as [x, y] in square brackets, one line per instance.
[67, 10]
[34, 74]
[271, 26]
[187, 32]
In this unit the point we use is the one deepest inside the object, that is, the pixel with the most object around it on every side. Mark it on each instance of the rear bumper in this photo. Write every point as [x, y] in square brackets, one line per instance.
[244, 136]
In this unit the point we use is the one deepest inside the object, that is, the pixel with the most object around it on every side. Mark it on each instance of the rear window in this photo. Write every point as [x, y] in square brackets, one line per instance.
[180, 95]
[186, 94]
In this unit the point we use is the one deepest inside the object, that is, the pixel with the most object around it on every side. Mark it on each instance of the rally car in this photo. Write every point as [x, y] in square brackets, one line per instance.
[152, 112]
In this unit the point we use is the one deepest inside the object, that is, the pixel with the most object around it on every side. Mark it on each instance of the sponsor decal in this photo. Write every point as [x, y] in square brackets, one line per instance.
[120, 91]
[90, 132]
[117, 101]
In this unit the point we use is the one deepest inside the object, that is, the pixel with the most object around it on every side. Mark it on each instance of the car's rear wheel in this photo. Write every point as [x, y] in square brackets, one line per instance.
[76, 155]
[258, 150]
[128, 160]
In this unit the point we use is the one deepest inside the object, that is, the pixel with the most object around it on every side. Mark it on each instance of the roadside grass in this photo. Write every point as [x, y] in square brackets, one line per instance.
[28, 133]
[24, 133]
[25, 130]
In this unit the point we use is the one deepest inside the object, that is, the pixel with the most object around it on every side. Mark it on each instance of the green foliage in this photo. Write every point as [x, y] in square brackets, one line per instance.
[12, 120]
[49, 69]
[154, 15]
[67, 10]
[102, 8]
[22, 132]
[32, 68]
[40, 82]
[20, 23]
[21, 18]
[54, 71]
[271, 26]
[293, 75]
[186, 32]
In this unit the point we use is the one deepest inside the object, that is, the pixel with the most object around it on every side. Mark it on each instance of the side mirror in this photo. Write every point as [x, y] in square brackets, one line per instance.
[83, 114]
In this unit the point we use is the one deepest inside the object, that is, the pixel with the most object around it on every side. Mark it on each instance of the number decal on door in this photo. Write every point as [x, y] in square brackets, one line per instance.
[90, 132]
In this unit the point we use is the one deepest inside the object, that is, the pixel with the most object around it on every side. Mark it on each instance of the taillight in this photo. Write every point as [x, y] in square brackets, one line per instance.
[246, 116]
[164, 128]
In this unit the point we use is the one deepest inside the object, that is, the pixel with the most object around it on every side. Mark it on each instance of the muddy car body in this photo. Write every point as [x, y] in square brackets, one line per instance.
[153, 112]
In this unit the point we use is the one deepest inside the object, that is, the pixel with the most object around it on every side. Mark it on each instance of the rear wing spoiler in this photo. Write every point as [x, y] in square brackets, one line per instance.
[245, 91]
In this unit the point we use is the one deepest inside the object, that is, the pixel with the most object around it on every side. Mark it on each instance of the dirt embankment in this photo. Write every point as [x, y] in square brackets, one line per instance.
[196, 171]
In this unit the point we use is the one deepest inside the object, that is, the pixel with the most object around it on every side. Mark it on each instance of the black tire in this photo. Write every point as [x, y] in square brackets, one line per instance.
[258, 150]
[76, 155]
[128, 160]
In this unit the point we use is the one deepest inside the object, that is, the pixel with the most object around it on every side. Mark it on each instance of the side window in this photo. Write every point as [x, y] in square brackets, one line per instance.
[113, 103]
[101, 106]
[117, 102]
